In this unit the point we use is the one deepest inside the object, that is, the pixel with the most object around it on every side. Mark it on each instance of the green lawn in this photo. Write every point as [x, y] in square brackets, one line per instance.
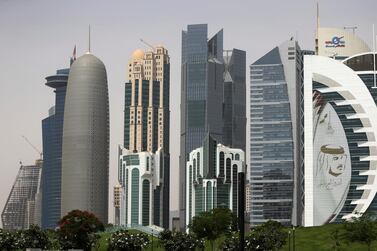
[307, 239]
[319, 239]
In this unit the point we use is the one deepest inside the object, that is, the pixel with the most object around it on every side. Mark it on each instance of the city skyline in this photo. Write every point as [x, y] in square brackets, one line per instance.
[49, 45]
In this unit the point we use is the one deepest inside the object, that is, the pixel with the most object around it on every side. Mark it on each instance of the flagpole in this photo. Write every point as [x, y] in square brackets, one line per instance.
[374, 58]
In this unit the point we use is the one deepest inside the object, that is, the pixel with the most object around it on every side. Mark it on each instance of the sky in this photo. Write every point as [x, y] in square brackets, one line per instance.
[37, 38]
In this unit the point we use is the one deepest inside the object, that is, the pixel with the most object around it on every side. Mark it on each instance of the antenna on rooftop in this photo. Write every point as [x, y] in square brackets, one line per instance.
[374, 58]
[353, 28]
[317, 29]
[89, 40]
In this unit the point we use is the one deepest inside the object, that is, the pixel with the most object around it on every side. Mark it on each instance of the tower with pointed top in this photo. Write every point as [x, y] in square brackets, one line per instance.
[213, 97]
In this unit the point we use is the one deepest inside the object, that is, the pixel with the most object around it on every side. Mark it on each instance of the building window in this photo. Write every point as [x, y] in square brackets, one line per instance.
[146, 202]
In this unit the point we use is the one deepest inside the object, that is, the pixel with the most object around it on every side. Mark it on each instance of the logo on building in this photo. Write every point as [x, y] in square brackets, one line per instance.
[335, 42]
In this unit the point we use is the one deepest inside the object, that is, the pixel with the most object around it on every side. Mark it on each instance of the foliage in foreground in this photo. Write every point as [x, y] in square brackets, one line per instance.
[34, 237]
[212, 224]
[78, 230]
[270, 236]
[123, 240]
[361, 229]
[179, 241]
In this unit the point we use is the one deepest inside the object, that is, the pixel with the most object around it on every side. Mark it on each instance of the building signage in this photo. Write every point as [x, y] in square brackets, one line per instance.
[335, 42]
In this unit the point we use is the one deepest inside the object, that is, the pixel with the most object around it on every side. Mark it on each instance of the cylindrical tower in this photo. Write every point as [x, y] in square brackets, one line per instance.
[85, 161]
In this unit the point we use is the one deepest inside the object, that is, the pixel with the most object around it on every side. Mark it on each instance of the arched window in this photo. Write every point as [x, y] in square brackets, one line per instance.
[221, 171]
[198, 163]
[209, 196]
[228, 169]
[135, 175]
[237, 157]
[194, 170]
[146, 202]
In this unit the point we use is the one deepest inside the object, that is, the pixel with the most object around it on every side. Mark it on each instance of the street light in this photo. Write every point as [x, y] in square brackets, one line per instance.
[289, 240]
[293, 238]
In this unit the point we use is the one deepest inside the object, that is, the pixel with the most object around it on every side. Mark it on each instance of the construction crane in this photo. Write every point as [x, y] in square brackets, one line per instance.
[33, 146]
[147, 44]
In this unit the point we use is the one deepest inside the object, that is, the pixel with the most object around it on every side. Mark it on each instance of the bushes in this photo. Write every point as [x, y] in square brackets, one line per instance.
[179, 241]
[123, 240]
[34, 237]
[270, 236]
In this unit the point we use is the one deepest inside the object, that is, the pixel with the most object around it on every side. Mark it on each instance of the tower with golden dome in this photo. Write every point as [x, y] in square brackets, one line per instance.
[146, 133]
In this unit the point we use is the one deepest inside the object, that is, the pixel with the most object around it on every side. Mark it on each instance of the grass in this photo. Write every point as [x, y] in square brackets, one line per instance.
[306, 239]
[320, 239]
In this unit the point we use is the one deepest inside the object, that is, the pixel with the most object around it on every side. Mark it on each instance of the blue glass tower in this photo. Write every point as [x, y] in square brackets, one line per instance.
[275, 80]
[52, 132]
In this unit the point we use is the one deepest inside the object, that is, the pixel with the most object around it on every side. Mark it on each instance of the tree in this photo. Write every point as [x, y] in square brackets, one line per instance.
[122, 240]
[78, 229]
[179, 241]
[269, 236]
[211, 225]
[361, 229]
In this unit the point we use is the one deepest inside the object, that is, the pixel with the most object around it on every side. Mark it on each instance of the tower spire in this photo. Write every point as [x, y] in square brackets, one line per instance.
[89, 40]
[317, 31]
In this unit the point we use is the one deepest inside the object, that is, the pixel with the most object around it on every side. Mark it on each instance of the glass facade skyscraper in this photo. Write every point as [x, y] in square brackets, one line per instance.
[52, 133]
[20, 209]
[207, 104]
[275, 81]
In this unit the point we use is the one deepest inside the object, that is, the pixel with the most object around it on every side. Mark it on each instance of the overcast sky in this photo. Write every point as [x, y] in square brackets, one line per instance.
[37, 37]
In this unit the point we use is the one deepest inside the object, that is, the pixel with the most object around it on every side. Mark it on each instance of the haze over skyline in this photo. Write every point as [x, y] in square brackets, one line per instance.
[38, 37]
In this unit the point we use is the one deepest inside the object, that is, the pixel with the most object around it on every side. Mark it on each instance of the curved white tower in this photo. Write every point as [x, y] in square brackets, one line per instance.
[85, 161]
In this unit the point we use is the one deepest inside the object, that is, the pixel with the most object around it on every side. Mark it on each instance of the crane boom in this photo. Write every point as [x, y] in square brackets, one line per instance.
[149, 45]
[33, 146]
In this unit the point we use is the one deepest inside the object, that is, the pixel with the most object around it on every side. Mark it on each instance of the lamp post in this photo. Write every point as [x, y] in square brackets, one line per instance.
[289, 240]
[241, 207]
[293, 239]
[152, 239]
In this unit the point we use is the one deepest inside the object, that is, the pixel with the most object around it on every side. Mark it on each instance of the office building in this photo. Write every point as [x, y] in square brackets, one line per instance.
[212, 178]
[117, 200]
[20, 209]
[338, 43]
[212, 97]
[52, 138]
[85, 159]
[275, 84]
[141, 176]
[340, 141]
[146, 125]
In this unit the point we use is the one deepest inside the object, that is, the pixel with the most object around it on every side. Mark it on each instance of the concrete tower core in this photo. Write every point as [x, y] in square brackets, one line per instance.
[85, 161]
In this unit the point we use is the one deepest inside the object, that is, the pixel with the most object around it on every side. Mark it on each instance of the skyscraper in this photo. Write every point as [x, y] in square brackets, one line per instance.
[146, 132]
[141, 177]
[275, 84]
[20, 209]
[340, 140]
[85, 162]
[52, 134]
[212, 178]
[207, 105]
